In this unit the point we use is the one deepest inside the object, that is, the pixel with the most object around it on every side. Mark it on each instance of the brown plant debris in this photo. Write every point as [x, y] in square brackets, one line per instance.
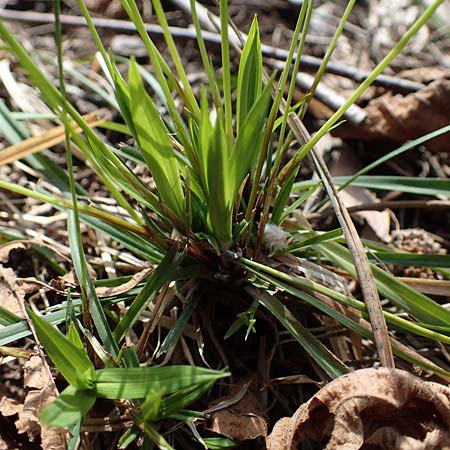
[405, 118]
[240, 421]
[386, 409]
[41, 392]
[416, 240]
[10, 295]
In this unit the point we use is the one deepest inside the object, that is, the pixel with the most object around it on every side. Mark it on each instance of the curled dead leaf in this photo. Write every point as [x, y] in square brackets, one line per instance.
[385, 409]
[240, 421]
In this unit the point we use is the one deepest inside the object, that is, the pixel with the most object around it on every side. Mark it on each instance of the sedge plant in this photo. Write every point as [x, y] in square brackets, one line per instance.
[220, 227]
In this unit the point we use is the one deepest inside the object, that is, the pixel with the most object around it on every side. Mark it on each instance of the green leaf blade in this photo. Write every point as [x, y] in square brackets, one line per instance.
[136, 382]
[151, 136]
[71, 406]
[249, 83]
[73, 362]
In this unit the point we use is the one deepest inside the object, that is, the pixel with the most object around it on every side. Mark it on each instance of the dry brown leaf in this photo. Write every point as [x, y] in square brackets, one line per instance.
[10, 294]
[9, 406]
[37, 378]
[242, 420]
[381, 408]
[35, 375]
[406, 118]
[34, 402]
[36, 399]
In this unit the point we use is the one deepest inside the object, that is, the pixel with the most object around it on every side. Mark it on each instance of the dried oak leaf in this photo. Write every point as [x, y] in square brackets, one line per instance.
[370, 409]
[41, 394]
[406, 118]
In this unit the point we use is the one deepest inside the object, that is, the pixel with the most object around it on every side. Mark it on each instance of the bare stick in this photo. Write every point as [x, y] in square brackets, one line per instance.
[308, 62]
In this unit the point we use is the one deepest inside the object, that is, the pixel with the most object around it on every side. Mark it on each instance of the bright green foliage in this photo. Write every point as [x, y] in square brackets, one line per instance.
[152, 138]
[150, 406]
[69, 407]
[137, 382]
[219, 168]
[249, 83]
[220, 443]
[71, 360]
[86, 385]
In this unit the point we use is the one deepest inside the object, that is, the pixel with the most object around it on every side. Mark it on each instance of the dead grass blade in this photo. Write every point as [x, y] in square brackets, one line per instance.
[46, 140]
[355, 246]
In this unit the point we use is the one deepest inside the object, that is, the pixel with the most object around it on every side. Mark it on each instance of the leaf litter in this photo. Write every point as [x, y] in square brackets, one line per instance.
[375, 391]
[386, 409]
[403, 118]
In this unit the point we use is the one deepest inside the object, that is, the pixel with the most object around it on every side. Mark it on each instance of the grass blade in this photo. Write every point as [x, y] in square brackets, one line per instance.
[249, 84]
[69, 407]
[151, 136]
[136, 382]
[73, 362]
[157, 279]
[320, 354]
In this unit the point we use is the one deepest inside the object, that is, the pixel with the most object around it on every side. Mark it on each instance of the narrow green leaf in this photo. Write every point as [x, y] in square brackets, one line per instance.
[155, 437]
[139, 245]
[318, 239]
[129, 437]
[413, 259]
[73, 362]
[151, 405]
[411, 185]
[282, 199]
[220, 443]
[402, 324]
[410, 300]
[129, 383]
[74, 337]
[151, 136]
[129, 357]
[7, 317]
[405, 147]
[75, 431]
[69, 407]
[176, 331]
[249, 141]
[225, 47]
[15, 331]
[296, 204]
[176, 402]
[292, 284]
[332, 366]
[87, 288]
[220, 203]
[249, 84]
